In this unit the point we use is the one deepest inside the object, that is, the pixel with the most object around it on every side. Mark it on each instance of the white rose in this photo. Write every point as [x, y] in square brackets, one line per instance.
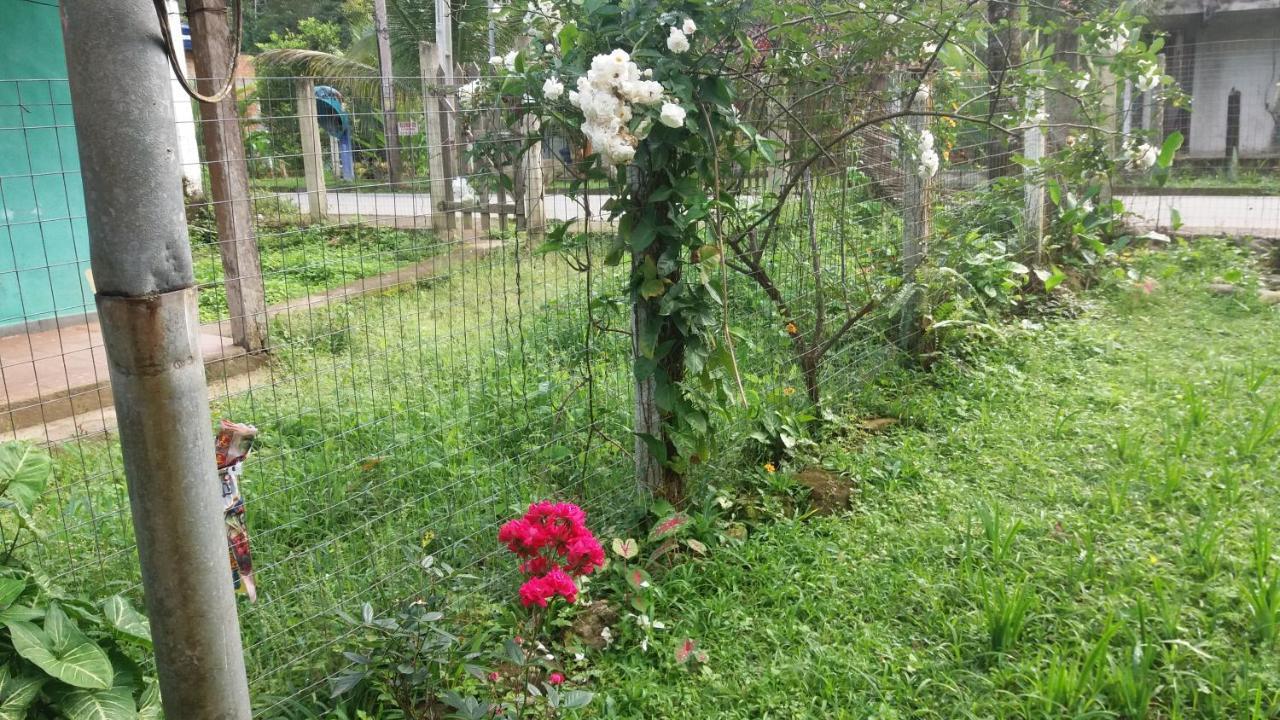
[509, 60]
[496, 61]
[551, 49]
[553, 88]
[672, 115]
[1146, 156]
[892, 19]
[677, 41]
[1083, 83]
[689, 26]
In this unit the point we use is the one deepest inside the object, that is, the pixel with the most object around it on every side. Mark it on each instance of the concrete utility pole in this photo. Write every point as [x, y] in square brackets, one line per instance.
[146, 300]
[228, 176]
[388, 89]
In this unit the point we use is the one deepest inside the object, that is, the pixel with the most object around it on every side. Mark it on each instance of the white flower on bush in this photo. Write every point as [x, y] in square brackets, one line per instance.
[1150, 77]
[1142, 156]
[689, 27]
[929, 160]
[605, 96]
[543, 12]
[677, 41]
[672, 115]
[509, 60]
[553, 88]
[892, 19]
[467, 94]
[463, 192]
[496, 61]
[1082, 83]
[1114, 41]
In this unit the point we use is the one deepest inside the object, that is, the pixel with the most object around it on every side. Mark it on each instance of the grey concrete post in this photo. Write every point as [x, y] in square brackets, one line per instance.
[147, 308]
[312, 151]
[1033, 149]
[917, 190]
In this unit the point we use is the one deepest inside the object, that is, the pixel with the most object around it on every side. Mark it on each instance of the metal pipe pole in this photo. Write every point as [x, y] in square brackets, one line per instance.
[146, 299]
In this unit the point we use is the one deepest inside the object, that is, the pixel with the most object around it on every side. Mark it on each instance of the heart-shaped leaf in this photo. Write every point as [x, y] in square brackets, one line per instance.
[149, 707]
[129, 623]
[16, 694]
[638, 579]
[669, 526]
[112, 704]
[626, 549]
[24, 472]
[62, 651]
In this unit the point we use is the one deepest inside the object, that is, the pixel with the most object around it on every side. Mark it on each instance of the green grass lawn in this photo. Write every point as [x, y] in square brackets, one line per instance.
[1079, 520]
[298, 261]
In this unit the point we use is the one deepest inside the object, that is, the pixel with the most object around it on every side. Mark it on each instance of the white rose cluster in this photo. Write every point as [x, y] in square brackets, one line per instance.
[1114, 41]
[1082, 83]
[1149, 77]
[929, 160]
[463, 192]
[552, 89]
[467, 94]
[543, 14]
[507, 61]
[605, 95]
[1142, 156]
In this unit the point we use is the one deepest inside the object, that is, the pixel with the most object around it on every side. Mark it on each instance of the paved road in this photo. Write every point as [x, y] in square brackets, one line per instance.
[1201, 214]
[1208, 215]
[354, 204]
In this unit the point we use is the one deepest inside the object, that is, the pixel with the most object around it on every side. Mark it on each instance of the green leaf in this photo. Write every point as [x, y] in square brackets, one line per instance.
[669, 526]
[576, 699]
[1055, 279]
[16, 694]
[1175, 219]
[24, 472]
[10, 590]
[112, 704]
[130, 623]
[62, 651]
[149, 707]
[1171, 145]
[638, 579]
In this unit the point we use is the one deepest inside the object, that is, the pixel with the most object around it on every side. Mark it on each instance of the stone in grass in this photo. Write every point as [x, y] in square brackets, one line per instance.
[828, 492]
[1222, 288]
[590, 623]
[1269, 297]
[877, 424]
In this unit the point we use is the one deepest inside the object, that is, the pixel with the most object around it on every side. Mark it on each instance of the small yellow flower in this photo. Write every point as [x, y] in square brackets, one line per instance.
[770, 468]
[788, 391]
[792, 329]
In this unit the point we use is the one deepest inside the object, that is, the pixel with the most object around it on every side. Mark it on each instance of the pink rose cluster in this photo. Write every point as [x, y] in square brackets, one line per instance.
[555, 547]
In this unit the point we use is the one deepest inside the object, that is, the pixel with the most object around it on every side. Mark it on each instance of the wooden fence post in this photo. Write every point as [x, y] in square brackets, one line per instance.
[916, 199]
[229, 181]
[312, 151]
[530, 167]
[438, 160]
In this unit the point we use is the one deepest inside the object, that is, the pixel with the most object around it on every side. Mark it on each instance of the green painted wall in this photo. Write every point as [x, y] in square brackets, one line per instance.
[44, 240]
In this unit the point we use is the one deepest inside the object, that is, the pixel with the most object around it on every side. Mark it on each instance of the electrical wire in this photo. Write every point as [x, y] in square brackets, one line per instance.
[180, 72]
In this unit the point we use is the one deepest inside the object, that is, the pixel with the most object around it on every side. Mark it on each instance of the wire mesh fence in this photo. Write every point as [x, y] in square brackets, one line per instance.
[425, 367]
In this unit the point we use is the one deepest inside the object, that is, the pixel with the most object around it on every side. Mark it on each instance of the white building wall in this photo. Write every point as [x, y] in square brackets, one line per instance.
[1236, 51]
[184, 116]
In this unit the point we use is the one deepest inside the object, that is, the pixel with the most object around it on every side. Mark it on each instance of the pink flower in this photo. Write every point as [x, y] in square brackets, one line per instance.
[535, 566]
[584, 554]
[540, 590]
[493, 677]
[522, 537]
[556, 678]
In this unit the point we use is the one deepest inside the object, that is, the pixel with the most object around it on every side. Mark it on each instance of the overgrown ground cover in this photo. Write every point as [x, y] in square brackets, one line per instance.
[1075, 520]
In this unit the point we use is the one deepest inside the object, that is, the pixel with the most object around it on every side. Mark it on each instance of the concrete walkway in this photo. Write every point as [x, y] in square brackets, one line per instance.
[1206, 214]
